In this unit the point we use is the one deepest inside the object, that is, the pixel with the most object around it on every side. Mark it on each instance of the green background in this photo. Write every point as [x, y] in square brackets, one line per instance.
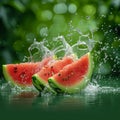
[22, 21]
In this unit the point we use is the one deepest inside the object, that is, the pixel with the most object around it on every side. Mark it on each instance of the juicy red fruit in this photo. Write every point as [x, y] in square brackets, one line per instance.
[72, 74]
[21, 73]
[53, 68]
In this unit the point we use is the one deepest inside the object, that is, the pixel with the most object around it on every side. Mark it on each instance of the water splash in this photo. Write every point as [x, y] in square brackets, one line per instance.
[85, 43]
[9, 87]
[65, 48]
[97, 89]
[38, 51]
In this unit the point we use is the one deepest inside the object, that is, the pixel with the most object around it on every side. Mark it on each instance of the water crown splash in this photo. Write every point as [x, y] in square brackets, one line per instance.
[38, 51]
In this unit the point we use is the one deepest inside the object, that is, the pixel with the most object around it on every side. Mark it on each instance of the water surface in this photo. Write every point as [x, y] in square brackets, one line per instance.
[99, 100]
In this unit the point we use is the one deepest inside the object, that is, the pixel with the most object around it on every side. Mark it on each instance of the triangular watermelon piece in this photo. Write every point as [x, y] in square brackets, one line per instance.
[40, 79]
[73, 77]
[21, 74]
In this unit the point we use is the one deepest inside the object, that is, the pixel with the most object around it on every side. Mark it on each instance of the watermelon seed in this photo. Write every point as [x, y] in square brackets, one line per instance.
[49, 73]
[51, 67]
[15, 69]
[59, 74]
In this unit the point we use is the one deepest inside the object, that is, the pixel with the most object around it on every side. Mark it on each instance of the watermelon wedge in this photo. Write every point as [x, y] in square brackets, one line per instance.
[73, 77]
[21, 74]
[40, 79]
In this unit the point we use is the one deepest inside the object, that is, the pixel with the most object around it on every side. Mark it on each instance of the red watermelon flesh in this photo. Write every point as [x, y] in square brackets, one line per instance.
[21, 74]
[73, 77]
[40, 79]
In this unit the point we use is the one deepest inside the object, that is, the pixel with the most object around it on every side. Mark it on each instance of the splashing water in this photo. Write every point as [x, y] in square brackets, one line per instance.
[85, 43]
[65, 47]
[38, 51]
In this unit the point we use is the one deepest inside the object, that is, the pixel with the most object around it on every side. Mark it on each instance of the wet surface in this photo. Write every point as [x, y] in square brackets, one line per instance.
[95, 102]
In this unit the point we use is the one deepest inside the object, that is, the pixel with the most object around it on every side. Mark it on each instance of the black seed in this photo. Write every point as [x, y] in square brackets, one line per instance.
[51, 67]
[15, 69]
[59, 74]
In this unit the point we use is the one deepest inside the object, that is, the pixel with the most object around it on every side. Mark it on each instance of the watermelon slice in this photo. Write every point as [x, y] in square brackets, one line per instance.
[21, 74]
[40, 79]
[72, 78]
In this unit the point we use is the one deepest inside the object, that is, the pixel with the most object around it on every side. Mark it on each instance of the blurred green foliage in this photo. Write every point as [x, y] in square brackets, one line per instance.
[21, 21]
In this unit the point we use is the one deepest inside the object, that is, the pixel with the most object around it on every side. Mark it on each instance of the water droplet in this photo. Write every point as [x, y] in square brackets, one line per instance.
[72, 8]
[60, 8]
[44, 31]
[87, 17]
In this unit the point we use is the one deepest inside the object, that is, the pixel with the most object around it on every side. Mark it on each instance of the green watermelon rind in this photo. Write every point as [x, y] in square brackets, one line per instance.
[36, 83]
[77, 87]
[40, 84]
[36, 78]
